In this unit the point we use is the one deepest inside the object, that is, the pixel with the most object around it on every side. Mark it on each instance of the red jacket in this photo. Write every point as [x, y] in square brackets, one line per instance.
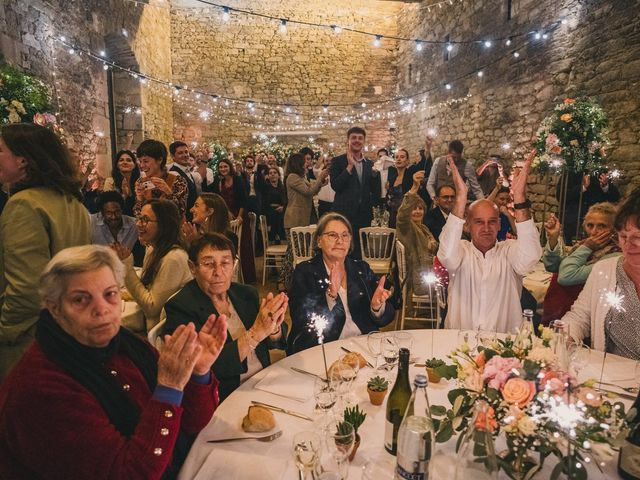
[52, 427]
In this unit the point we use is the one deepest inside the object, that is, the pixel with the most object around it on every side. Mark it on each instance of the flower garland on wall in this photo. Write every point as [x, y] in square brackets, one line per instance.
[573, 136]
[21, 96]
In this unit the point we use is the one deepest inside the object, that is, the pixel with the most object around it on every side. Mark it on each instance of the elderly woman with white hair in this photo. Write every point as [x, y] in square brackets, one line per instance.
[90, 399]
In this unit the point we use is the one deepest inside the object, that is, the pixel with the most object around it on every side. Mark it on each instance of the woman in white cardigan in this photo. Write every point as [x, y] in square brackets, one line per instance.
[165, 269]
[608, 308]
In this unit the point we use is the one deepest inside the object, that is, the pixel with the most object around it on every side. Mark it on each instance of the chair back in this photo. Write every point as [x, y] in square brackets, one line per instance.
[154, 334]
[252, 226]
[301, 238]
[236, 228]
[264, 232]
[235, 276]
[376, 243]
[402, 262]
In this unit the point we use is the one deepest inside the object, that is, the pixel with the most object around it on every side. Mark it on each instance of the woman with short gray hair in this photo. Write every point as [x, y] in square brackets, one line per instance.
[90, 399]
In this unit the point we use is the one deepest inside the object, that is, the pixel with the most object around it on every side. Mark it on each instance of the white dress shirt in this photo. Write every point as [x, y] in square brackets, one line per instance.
[485, 290]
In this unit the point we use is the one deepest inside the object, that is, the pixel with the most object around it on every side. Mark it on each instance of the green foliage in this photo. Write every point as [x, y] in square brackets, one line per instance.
[378, 384]
[434, 363]
[355, 417]
[575, 135]
[446, 371]
[21, 95]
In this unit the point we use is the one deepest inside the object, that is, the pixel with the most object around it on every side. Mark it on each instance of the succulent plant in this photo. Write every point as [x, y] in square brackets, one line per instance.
[378, 384]
[434, 363]
[355, 417]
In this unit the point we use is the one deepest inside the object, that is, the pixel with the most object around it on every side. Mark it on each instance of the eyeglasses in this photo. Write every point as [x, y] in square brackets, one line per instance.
[210, 266]
[144, 220]
[333, 236]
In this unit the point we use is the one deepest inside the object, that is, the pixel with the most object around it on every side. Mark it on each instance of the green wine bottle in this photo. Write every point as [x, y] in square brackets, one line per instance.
[397, 403]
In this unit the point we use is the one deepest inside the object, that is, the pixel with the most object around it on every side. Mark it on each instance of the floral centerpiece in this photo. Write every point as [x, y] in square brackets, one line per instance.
[574, 135]
[540, 409]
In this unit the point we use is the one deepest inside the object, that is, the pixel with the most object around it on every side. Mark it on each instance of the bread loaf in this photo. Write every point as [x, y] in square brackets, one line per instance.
[258, 419]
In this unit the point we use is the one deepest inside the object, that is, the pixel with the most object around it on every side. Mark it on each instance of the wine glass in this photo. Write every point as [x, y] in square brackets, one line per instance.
[341, 440]
[325, 395]
[403, 339]
[306, 449]
[374, 345]
[342, 376]
[390, 351]
[486, 338]
[469, 337]
[579, 357]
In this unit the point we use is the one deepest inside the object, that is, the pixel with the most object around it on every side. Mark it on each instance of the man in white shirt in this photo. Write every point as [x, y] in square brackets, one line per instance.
[486, 275]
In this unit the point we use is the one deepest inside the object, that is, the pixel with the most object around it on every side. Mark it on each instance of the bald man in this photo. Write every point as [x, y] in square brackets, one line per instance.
[486, 275]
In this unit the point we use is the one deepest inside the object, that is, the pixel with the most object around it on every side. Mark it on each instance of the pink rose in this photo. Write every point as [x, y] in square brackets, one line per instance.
[518, 391]
[555, 382]
[498, 370]
[39, 119]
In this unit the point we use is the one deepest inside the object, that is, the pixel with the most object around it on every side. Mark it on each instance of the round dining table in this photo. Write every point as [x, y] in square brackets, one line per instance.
[280, 386]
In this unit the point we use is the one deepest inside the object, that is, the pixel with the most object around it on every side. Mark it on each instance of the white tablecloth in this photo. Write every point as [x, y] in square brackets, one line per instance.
[250, 459]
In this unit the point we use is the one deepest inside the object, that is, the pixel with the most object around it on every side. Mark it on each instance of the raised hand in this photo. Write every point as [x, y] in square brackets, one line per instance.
[428, 143]
[336, 275]
[520, 176]
[190, 232]
[553, 227]
[161, 185]
[461, 189]
[211, 337]
[418, 178]
[122, 251]
[270, 316]
[380, 295]
[178, 356]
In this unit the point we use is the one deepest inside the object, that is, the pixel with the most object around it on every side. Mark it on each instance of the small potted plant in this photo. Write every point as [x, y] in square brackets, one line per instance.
[353, 418]
[431, 366]
[377, 388]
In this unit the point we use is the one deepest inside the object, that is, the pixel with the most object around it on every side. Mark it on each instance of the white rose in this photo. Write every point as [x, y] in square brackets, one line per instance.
[526, 425]
[542, 355]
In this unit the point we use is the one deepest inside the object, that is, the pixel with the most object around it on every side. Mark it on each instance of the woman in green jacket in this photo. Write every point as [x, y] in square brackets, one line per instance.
[44, 215]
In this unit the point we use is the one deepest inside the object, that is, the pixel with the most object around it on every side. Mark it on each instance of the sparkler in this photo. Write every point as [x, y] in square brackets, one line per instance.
[319, 323]
[615, 301]
[431, 279]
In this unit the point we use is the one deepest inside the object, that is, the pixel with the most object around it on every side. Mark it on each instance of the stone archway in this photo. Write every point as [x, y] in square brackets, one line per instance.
[125, 92]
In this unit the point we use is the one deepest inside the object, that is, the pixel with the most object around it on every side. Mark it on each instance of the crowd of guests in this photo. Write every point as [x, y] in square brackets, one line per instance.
[81, 394]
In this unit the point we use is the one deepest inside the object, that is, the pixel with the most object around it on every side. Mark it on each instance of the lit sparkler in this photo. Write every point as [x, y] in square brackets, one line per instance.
[615, 301]
[615, 174]
[319, 323]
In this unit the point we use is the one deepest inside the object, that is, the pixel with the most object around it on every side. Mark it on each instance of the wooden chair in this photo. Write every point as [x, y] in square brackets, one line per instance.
[301, 238]
[273, 254]
[429, 305]
[376, 247]
[236, 228]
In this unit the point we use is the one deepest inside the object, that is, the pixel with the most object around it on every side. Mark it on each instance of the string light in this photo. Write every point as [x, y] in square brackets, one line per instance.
[283, 26]
[516, 54]
[336, 29]
[448, 86]
[376, 41]
[418, 45]
[225, 14]
[449, 47]
[487, 43]
[480, 74]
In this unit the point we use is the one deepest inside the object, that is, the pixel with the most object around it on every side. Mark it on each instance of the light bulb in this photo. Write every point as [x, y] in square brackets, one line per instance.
[480, 73]
[225, 14]
[508, 42]
[449, 47]
[448, 86]
[102, 53]
[336, 28]
[516, 54]
[376, 42]
[538, 35]
[487, 43]
[283, 26]
[418, 45]
[363, 105]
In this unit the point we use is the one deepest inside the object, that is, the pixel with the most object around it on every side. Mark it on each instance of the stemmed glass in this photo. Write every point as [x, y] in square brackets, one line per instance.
[486, 338]
[469, 337]
[579, 357]
[342, 376]
[306, 450]
[390, 351]
[374, 345]
[403, 339]
[325, 394]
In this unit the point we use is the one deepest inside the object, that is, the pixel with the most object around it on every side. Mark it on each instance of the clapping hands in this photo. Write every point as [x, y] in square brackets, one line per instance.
[380, 295]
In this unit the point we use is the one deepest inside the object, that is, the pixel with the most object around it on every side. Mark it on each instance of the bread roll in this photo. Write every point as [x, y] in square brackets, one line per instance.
[354, 358]
[258, 419]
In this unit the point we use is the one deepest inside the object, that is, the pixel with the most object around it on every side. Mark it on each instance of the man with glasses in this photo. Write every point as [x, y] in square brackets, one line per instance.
[437, 217]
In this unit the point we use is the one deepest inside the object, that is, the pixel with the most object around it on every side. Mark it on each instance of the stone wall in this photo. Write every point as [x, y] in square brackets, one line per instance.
[27, 39]
[597, 53]
[248, 58]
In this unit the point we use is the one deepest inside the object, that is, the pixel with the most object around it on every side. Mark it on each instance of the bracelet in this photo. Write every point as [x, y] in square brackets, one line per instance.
[523, 205]
[251, 340]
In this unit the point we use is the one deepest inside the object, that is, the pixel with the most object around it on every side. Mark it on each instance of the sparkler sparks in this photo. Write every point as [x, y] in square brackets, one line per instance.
[318, 324]
[615, 301]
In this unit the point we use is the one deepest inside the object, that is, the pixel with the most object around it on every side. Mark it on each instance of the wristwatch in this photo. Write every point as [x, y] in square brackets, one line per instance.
[523, 205]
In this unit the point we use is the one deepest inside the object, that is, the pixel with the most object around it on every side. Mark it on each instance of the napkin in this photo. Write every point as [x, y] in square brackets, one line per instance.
[287, 383]
[222, 428]
[242, 465]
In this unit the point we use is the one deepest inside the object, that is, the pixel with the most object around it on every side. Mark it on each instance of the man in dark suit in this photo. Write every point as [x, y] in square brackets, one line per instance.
[254, 178]
[180, 155]
[437, 216]
[356, 184]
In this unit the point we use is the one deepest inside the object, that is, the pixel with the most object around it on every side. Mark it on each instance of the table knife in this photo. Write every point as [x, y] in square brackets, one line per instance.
[299, 370]
[282, 410]
[349, 351]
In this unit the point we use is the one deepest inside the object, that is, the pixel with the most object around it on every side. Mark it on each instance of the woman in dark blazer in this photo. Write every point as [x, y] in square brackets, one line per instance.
[253, 326]
[344, 290]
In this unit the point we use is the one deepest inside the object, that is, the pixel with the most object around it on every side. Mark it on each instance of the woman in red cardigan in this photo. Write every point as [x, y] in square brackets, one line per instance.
[90, 399]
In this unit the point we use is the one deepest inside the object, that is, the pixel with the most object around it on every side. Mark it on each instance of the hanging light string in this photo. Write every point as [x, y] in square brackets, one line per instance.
[177, 88]
[377, 37]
